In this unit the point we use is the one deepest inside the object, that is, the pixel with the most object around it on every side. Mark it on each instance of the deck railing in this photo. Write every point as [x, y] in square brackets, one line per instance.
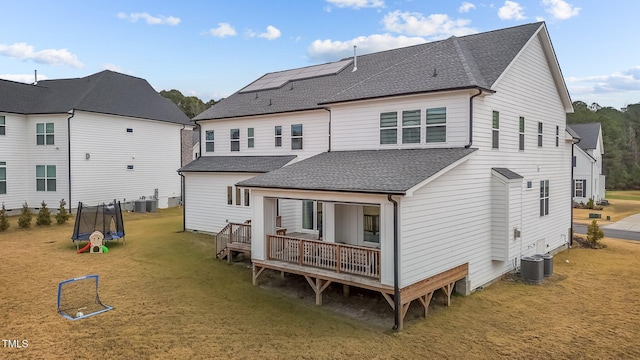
[233, 233]
[340, 258]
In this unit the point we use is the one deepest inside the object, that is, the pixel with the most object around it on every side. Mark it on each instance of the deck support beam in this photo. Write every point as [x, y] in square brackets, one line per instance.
[318, 287]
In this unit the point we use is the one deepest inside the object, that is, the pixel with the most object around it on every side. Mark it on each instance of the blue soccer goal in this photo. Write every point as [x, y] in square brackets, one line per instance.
[78, 298]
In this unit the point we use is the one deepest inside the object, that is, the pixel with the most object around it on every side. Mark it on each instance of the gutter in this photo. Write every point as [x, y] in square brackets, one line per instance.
[471, 118]
[71, 113]
[396, 265]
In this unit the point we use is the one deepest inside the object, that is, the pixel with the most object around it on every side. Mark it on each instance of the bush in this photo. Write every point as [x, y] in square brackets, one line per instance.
[590, 204]
[62, 216]
[594, 235]
[44, 215]
[24, 221]
[4, 219]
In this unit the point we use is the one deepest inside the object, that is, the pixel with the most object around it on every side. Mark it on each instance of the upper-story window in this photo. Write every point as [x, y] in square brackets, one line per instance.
[557, 136]
[521, 140]
[278, 135]
[436, 125]
[250, 138]
[411, 127]
[3, 125]
[45, 178]
[235, 139]
[539, 134]
[44, 134]
[389, 128]
[544, 197]
[296, 137]
[3, 177]
[495, 130]
[209, 141]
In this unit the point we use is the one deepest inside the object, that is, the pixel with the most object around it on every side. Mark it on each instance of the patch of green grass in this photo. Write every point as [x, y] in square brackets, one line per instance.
[623, 195]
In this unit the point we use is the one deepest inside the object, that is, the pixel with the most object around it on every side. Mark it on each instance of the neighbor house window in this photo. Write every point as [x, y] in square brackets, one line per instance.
[44, 134]
[3, 177]
[45, 178]
[247, 197]
[209, 141]
[229, 195]
[278, 135]
[411, 127]
[235, 139]
[557, 136]
[296, 137]
[389, 128]
[521, 141]
[579, 188]
[539, 134]
[436, 125]
[3, 125]
[250, 138]
[495, 130]
[544, 197]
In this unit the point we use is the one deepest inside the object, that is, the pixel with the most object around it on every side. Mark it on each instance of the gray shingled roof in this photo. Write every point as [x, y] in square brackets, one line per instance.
[106, 92]
[245, 164]
[473, 61]
[508, 174]
[588, 134]
[366, 171]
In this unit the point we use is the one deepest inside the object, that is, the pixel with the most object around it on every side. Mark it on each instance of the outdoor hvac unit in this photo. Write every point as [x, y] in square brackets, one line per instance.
[548, 263]
[139, 206]
[152, 205]
[532, 269]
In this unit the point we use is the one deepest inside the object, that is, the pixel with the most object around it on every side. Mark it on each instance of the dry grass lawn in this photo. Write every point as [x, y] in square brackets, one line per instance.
[622, 204]
[173, 300]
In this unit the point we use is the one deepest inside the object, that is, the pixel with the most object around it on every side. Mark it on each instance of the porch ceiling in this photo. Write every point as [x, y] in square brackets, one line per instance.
[362, 171]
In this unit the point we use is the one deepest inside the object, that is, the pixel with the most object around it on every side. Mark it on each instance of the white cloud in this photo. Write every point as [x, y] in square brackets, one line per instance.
[330, 50]
[624, 81]
[357, 4]
[434, 25]
[151, 20]
[112, 67]
[511, 10]
[560, 9]
[223, 30]
[466, 7]
[272, 33]
[24, 78]
[22, 51]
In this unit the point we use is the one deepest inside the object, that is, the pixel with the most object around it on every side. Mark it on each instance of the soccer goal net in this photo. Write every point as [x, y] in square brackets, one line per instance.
[78, 298]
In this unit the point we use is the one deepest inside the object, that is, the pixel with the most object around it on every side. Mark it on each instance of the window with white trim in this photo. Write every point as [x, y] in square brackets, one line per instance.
[250, 138]
[45, 178]
[544, 197]
[411, 127]
[238, 196]
[209, 141]
[521, 134]
[229, 195]
[234, 135]
[247, 197]
[495, 130]
[45, 134]
[389, 128]
[539, 134]
[278, 135]
[3, 177]
[436, 125]
[296, 137]
[3, 125]
[579, 187]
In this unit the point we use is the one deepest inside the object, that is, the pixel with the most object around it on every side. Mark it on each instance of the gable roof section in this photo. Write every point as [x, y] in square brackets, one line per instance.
[589, 135]
[362, 171]
[243, 164]
[472, 61]
[106, 92]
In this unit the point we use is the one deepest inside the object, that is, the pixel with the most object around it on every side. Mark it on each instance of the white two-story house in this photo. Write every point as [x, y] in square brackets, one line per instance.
[588, 177]
[93, 139]
[424, 168]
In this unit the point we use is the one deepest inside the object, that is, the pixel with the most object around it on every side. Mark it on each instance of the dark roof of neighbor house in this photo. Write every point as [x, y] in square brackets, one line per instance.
[588, 135]
[106, 92]
[243, 164]
[365, 171]
[472, 61]
[507, 173]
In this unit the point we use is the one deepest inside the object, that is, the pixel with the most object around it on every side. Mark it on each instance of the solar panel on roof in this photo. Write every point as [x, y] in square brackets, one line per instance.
[277, 79]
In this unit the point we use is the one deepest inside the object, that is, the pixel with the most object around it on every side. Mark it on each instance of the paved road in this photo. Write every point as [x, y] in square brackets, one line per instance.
[613, 233]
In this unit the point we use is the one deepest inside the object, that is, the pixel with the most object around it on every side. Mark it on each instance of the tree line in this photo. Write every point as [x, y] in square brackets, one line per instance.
[190, 105]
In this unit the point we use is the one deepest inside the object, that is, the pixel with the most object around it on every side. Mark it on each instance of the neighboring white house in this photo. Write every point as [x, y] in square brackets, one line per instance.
[588, 178]
[93, 139]
[415, 169]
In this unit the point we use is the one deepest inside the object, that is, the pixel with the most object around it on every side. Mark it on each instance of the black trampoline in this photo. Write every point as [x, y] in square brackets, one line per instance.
[106, 218]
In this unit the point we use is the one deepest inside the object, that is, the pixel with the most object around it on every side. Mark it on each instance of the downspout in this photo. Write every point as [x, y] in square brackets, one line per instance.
[396, 265]
[329, 110]
[573, 184]
[471, 118]
[71, 113]
[184, 208]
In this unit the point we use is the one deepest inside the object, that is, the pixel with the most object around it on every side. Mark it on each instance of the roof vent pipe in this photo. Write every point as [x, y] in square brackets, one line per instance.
[355, 59]
[35, 76]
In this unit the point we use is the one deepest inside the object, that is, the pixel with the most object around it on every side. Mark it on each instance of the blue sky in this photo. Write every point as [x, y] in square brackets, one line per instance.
[211, 49]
